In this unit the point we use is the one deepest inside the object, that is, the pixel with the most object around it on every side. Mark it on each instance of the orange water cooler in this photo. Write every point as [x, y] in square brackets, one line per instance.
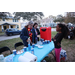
[45, 33]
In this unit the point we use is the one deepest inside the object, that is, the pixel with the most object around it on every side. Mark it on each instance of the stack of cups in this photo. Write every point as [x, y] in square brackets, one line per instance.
[29, 47]
[33, 45]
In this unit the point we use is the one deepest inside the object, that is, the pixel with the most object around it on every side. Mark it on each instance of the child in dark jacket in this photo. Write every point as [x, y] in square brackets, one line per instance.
[62, 33]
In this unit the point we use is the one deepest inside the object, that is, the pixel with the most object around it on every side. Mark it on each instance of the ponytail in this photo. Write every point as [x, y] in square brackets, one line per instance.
[64, 29]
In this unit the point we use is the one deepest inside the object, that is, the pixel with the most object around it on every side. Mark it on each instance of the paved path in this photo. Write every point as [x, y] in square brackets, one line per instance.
[8, 37]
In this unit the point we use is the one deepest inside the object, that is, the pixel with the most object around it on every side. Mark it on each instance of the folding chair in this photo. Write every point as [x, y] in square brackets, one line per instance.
[5, 48]
[18, 44]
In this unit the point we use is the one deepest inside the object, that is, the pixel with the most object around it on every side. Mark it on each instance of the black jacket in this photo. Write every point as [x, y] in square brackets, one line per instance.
[38, 32]
[58, 38]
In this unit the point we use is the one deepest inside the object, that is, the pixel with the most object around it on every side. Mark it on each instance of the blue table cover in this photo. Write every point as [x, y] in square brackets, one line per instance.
[39, 52]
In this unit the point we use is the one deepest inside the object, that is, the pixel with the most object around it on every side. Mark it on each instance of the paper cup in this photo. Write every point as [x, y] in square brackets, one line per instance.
[33, 45]
[25, 49]
[43, 42]
[14, 52]
[46, 41]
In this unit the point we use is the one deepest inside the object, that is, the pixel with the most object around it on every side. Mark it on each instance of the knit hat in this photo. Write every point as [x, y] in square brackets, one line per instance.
[30, 22]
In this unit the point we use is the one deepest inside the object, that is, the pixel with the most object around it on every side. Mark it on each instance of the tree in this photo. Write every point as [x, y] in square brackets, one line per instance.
[4, 14]
[59, 18]
[29, 15]
[70, 17]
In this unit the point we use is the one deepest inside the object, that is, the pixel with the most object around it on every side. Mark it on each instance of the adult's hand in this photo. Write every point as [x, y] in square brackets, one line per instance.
[28, 40]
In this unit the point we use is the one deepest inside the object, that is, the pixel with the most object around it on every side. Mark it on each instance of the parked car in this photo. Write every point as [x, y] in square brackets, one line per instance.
[12, 31]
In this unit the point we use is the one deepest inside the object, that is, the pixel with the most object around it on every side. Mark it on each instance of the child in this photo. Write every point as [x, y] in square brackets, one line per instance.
[62, 33]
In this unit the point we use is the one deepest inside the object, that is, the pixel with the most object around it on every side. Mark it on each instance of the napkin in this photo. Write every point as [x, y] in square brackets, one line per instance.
[30, 56]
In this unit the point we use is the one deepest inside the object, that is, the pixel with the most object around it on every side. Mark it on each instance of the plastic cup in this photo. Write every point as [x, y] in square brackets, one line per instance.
[33, 45]
[46, 41]
[43, 42]
[14, 52]
[25, 49]
[29, 47]
[42, 39]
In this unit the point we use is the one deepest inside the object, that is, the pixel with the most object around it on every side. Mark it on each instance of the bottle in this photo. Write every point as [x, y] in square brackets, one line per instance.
[40, 43]
[29, 47]
[29, 40]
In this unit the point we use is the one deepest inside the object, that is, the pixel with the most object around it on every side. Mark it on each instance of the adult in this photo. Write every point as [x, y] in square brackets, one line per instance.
[36, 31]
[27, 32]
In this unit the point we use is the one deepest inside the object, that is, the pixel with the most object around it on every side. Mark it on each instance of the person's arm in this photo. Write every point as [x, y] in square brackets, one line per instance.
[23, 34]
[57, 40]
[34, 36]
[53, 38]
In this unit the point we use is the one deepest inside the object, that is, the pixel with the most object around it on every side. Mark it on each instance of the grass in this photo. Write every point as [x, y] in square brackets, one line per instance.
[53, 33]
[2, 33]
[10, 43]
[68, 45]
